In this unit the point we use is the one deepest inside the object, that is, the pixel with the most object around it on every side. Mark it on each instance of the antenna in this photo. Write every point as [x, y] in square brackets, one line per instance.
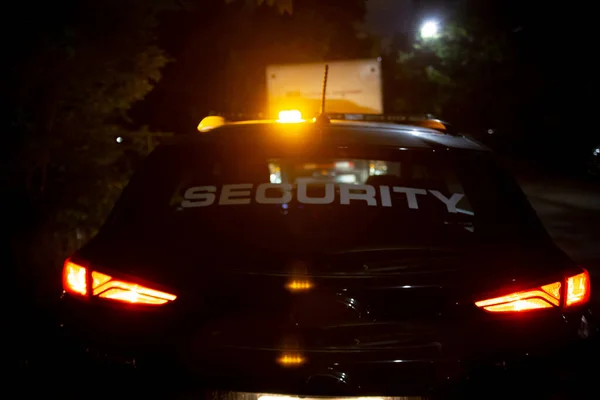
[322, 118]
[324, 93]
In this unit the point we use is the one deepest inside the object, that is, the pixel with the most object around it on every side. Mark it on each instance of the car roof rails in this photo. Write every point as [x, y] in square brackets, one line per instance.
[424, 121]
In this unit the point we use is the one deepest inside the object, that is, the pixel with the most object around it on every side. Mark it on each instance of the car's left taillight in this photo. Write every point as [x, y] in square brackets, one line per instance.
[572, 291]
[82, 281]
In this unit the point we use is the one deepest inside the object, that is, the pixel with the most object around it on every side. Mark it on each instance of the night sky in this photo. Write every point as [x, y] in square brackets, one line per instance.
[386, 17]
[389, 17]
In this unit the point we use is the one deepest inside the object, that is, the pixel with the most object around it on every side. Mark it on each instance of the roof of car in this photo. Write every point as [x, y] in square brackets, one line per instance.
[354, 132]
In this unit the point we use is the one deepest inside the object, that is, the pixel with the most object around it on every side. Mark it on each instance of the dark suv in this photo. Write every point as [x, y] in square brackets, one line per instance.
[428, 273]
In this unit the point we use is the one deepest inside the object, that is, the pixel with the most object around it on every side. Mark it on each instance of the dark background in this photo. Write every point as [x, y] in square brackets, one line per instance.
[79, 74]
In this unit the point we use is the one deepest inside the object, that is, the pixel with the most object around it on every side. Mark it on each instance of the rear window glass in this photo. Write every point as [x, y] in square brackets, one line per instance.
[319, 198]
[350, 182]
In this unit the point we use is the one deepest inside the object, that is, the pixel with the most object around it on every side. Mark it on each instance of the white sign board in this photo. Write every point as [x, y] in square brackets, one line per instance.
[353, 87]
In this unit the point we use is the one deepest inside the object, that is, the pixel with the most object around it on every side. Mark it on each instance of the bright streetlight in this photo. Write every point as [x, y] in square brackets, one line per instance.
[429, 29]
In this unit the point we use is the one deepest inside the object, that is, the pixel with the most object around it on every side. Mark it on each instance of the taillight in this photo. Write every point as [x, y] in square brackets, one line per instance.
[76, 280]
[107, 287]
[578, 289]
[572, 291]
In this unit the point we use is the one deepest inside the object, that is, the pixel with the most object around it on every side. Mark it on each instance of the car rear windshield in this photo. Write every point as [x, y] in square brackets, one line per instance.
[322, 197]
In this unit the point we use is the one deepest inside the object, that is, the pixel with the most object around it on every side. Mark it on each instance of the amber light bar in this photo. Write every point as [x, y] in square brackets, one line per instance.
[76, 277]
[547, 296]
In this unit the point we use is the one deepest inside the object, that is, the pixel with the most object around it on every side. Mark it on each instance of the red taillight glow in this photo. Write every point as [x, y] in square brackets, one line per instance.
[546, 296]
[109, 288]
[578, 289]
[74, 278]
[105, 286]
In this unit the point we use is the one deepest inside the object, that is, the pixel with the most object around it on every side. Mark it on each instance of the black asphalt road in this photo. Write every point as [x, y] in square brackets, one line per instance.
[570, 211]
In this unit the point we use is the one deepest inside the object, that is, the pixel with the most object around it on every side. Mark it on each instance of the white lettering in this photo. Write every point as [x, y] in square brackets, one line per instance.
[386, 199]
[229, 192]
[449, 202]
[204, 194]
[411, 195]
[285, 189]
[348, 192]
[328, 199]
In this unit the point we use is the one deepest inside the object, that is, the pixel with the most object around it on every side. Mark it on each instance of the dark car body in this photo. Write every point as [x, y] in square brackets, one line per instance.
[348, 298]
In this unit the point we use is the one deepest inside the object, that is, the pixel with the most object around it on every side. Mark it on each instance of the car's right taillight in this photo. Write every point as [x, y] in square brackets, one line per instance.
[572, 291]
[578, 289]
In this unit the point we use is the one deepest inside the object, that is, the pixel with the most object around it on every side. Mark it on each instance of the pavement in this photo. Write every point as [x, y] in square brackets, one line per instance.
[570, 210]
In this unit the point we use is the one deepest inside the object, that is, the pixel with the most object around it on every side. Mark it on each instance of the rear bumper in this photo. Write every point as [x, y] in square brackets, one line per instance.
[150, 345]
